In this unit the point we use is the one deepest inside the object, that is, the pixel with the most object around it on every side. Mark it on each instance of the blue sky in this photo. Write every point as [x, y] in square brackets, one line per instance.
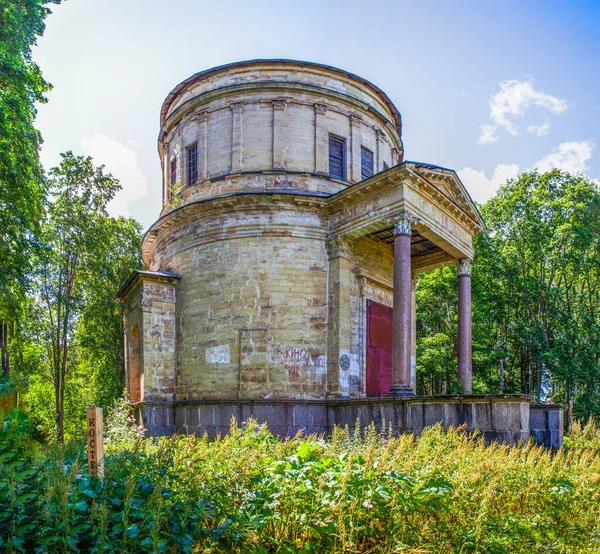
[486, 88]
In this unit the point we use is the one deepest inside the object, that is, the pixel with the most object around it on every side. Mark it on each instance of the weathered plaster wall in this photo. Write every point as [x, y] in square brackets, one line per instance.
[151, 308]
[252, 305]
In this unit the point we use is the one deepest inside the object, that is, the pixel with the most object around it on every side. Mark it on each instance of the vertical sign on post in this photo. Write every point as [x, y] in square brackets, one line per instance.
[95, 441]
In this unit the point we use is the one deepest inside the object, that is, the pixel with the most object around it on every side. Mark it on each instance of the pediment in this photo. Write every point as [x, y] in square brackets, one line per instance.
[450, 185]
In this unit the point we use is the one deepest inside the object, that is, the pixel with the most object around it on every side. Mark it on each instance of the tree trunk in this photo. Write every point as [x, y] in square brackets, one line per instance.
[4, 348]
[501, 376]
[569, 409]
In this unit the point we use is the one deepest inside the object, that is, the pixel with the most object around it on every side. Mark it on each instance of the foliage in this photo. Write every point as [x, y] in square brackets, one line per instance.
[72, 233]
[120, 429]
[6, 387]
[250, 492]
[69, 349]
[21, 177]
[584, 436]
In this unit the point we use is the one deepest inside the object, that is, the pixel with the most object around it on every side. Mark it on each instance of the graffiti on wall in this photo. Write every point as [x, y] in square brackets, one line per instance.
[297, 360]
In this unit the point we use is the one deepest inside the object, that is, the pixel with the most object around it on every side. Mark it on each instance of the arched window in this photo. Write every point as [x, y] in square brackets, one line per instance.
[136, 381]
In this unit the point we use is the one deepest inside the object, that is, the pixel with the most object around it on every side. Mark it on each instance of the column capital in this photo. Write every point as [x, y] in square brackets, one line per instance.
[337, 247]
[355, 119]
[379, 134]
[464, 267]
[279, 104]
[236, 106]
[403, 223]
[320, 109]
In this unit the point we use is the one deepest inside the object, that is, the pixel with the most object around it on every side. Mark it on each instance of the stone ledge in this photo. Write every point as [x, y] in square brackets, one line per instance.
[502, 418]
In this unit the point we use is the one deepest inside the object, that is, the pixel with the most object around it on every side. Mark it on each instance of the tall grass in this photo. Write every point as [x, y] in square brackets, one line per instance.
[249, 492]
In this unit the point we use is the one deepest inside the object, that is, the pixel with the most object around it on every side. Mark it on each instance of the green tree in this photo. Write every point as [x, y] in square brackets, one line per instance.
[99, 332]
[21, 176]
[72, 234]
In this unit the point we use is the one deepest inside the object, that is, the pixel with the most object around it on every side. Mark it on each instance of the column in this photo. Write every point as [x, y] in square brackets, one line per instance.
[401, 317]
[321, 141]
[236, 137]
[413, 331]
[278, 134]
[465, 363]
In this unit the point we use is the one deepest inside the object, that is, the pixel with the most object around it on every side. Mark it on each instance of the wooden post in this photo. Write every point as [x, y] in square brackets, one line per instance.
[95, 441]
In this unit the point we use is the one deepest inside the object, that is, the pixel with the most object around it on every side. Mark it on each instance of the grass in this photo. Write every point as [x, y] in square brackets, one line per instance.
[250, 492]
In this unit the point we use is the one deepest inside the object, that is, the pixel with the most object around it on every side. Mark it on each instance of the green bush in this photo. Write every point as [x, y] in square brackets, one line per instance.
[249, 492]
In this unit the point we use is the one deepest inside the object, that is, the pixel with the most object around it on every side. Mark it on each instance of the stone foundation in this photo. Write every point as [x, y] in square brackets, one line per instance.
[546, 424]
[508, 418]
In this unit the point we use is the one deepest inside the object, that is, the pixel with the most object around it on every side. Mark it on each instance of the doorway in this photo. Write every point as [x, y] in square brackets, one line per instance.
[379, 349]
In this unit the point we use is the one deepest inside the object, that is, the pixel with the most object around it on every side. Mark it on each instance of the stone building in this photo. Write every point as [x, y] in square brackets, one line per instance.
[281, 272]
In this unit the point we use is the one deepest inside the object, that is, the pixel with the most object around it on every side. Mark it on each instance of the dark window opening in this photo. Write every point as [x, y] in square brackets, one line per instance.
[337, 158]
[192, 164]
[174, 170]
[366, 163]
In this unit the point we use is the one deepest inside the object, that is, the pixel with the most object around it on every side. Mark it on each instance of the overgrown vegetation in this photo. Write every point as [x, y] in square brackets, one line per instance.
[250, 492]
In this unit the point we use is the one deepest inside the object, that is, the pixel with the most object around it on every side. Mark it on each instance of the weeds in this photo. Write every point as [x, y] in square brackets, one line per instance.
[249, 492]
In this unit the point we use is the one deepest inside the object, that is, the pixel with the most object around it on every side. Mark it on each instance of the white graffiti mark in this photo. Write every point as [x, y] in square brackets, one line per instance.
[218, 354]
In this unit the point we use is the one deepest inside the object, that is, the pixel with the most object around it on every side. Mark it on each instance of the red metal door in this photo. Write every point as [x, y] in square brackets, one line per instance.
[379, 349]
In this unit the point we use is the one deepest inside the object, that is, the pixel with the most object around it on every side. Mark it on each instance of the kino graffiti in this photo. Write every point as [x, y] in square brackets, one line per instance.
[296, 359]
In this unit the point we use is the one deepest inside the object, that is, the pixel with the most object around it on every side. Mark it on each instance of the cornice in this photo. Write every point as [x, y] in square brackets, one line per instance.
[240, 202]
[139, 276]
[278, 64]
[362, 273]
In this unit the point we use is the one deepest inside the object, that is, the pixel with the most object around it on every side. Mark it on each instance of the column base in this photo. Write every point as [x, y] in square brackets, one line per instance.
[400, 390]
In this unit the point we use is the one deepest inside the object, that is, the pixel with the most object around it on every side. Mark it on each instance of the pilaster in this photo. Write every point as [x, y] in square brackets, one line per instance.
[237, 136]
[355, 123]
[339, 316]
[279, 109]
[321, 140]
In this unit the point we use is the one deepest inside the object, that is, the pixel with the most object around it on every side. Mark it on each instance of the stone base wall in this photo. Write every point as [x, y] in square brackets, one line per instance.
[509, 419]
[547, 423]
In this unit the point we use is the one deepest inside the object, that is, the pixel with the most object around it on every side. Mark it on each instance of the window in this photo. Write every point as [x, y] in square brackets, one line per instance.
[366, 163]
[192, 164]
[174, 170]
[337, 158]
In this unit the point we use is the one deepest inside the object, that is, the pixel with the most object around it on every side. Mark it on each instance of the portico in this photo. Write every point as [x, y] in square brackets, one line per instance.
[424, 214]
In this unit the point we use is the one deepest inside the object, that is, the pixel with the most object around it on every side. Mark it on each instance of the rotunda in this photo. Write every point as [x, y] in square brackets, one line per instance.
[280, 275]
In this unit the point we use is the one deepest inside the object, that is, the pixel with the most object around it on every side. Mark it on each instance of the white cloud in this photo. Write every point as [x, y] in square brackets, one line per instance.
[568, 156]
[487, 134]
[539, 130]
[123, 164]
[480, 187]
[511, 101]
